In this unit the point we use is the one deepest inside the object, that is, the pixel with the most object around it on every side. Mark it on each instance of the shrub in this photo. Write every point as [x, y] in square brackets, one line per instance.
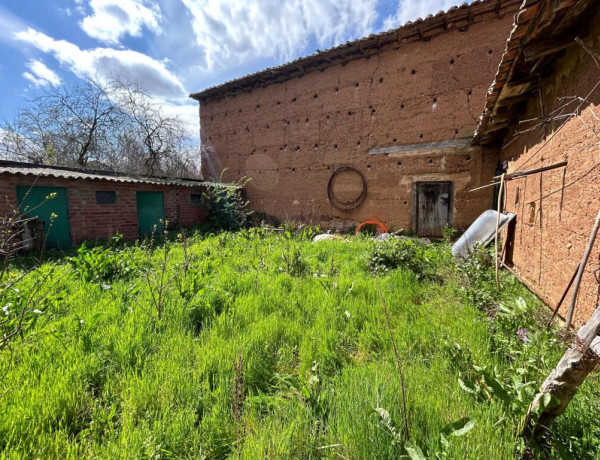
[226, 207]
[399, 253]
[100, 264]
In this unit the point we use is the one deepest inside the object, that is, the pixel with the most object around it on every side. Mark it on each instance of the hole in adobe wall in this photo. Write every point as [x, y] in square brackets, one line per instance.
[451, 61]
[373, 111]
[394, 139]
[239, 110]
[401, 106]
[315, 96]
[212, 118]
[278, 102]
[335, 146]
[327, 116]
[434, 100]
[469, 93]
[268, 126]
[328, 167]
[430, 161]
[413, 71]
[247, 129]
[306, 121]
[399, 163]
[358, 143]
[280, 148]
[356, 84]
[350, 112]
[368, 166]
[468, 157]
[456, 131]
[297, 147]
[420, 136]
[316, 146]
[336, 89]
[293, 169]
[381, 80]
[490, 51]
[294, 100]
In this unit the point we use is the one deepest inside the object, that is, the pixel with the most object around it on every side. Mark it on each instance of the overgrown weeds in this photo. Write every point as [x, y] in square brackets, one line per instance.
[260, 344]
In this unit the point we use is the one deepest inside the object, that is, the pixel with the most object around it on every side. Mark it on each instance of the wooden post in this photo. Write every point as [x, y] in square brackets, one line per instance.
[564, 381]
[498, 211]
[582, 264]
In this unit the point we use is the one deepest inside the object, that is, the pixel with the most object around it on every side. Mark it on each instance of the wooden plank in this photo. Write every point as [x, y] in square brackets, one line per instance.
[458, 143]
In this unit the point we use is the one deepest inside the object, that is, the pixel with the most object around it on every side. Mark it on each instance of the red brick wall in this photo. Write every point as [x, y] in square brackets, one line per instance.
[91, 221]
[290, 137]
[556, 209]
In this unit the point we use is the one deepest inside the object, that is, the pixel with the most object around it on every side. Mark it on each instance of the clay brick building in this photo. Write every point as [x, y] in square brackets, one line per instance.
[542, 109]
[96, 205]
[400, 108]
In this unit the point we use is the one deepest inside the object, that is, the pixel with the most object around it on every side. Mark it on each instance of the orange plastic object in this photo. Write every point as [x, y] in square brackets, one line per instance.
[379, 225]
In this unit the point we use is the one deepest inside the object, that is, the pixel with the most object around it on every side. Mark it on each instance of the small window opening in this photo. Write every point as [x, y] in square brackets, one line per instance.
[106, 197]
[196, 199]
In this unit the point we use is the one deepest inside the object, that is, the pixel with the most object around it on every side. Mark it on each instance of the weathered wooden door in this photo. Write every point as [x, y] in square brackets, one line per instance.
[151, 213]
[50, 205]
[433, 207]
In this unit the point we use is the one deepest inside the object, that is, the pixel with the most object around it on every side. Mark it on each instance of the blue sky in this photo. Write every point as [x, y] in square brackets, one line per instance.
[175, 47]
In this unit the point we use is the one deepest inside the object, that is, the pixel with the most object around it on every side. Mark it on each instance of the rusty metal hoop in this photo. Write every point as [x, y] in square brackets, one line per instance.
[351, 204]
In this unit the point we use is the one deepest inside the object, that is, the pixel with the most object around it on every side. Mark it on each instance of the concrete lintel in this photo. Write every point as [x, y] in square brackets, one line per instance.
[423, 146]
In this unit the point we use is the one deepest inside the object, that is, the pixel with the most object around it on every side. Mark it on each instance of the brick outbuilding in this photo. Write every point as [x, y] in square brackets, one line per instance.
[95, 205]
[398, 108]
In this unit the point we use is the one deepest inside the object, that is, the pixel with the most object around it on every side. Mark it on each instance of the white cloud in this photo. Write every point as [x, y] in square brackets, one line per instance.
[130, 65]
[40, 75]
[112, 19]
[231, 32]
[409, 10]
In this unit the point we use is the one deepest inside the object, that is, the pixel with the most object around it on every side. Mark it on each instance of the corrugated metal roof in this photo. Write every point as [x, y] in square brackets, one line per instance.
[36, 170]
[456, 17]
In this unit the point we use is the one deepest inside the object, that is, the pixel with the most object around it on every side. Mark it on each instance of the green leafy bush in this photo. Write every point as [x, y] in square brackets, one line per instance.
[100, 263]
[226, 207]
[404, 253]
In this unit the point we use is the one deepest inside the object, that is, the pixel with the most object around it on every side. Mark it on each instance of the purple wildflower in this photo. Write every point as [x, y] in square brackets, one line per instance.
[522, 334]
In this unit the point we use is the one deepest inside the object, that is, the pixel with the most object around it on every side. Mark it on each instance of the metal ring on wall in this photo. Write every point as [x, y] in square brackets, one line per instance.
[351, 204]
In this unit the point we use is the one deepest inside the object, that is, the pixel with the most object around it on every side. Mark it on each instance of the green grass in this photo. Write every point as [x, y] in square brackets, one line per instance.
[98, 375]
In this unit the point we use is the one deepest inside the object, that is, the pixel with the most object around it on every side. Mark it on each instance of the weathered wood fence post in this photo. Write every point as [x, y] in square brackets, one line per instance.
[564, 381]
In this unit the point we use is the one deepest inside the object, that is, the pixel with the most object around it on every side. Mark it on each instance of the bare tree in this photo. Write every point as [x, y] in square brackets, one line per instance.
[69, 125]
[113, 124]
[161, 139]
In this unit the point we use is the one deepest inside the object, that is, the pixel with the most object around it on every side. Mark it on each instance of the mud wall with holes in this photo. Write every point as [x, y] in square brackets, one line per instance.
[289, 138]
[556, 209]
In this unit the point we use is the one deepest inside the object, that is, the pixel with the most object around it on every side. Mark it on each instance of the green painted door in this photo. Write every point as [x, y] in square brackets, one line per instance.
[151, 213]
[50, 205]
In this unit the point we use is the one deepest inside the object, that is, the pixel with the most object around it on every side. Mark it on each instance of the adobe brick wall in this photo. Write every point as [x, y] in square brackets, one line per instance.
[556, 209]
[91, 221]
[290, 137]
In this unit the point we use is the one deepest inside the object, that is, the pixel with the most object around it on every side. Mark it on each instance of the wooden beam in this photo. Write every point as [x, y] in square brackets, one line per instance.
[514, 100]
[549, 46]
[458, 143]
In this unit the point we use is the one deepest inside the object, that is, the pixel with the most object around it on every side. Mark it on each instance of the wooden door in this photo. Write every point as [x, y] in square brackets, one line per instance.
[151, 213]
[433, 207]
